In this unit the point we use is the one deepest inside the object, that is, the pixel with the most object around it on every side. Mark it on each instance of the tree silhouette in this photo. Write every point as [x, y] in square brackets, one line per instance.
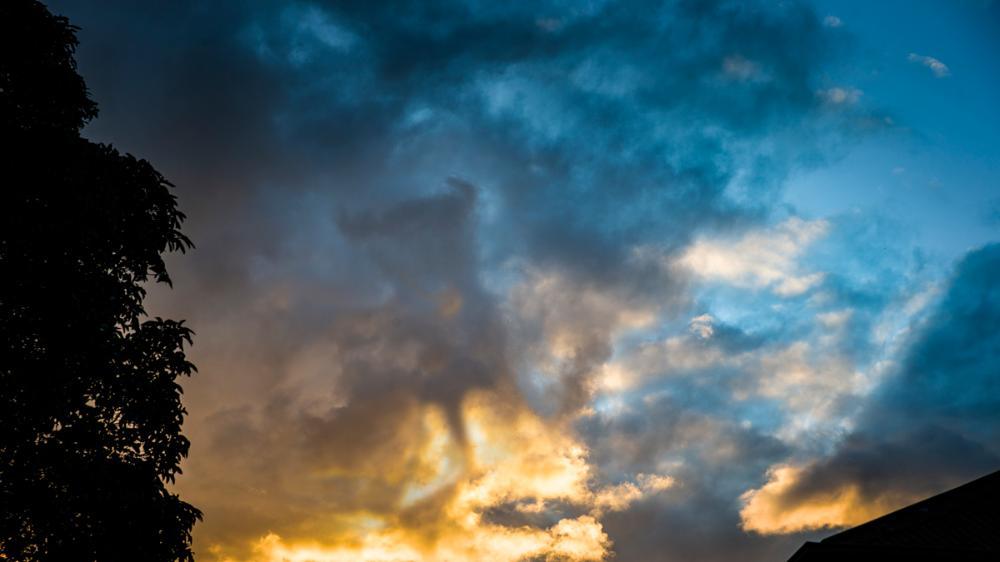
[90, 407]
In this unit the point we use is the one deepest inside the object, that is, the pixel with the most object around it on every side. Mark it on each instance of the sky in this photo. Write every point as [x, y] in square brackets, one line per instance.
[568, 280]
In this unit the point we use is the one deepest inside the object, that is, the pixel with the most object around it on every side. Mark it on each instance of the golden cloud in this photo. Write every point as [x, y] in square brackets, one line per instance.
[781, 507]
[503, 456]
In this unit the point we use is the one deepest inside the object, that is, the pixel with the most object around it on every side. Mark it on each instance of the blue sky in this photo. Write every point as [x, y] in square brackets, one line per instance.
[937, 176]
[568, 281]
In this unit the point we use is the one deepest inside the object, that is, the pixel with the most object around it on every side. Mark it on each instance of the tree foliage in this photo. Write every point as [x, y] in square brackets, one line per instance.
[90, 405]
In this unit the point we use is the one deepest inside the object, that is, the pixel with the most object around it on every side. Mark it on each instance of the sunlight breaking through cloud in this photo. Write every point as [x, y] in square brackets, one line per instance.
[776, 508]
[510, 458]
[554, 281]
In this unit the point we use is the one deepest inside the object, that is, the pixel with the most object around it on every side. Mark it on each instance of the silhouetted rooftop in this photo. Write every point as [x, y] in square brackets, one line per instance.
[960, 524]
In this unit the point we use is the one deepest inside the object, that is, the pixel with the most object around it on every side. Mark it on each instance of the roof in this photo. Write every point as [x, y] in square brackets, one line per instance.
[960, 524]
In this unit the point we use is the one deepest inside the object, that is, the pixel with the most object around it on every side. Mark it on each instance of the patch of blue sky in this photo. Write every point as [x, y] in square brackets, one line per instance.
[935, 168]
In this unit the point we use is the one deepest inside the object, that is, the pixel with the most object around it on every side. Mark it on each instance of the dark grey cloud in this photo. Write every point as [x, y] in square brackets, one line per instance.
[264, 81]
[704, 527]
[698, 518]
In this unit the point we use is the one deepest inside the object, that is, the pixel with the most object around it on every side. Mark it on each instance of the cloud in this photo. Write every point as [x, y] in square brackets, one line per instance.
[931, 425]
[767, 511]
[565, 331]
[832, 21]
[759, 259]
[444, 490]
[428, 234]
[797, 387]
[939, 68]
[573, 540]
[741, 69]
[839, 96]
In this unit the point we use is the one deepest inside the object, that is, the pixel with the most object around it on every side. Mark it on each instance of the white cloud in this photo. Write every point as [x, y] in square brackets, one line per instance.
[673, 355]
[832, 21]
[835, 319]
[939, 68]
[840, 96]
[702, 325]
[810, 379]
[761, 259]
[793, 286]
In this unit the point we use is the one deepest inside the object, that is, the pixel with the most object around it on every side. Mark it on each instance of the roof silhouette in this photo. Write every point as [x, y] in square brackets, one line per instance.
[960, 524]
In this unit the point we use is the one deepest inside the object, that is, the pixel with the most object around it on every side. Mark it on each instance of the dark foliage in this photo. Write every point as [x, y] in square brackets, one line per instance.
[90, 407]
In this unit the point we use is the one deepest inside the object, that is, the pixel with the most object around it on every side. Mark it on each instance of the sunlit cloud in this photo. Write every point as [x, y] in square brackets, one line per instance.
[567, 330]
[571, 540]
[778, 508]
[517, 281]
[510, 457]
[931, 425]
[759, 259]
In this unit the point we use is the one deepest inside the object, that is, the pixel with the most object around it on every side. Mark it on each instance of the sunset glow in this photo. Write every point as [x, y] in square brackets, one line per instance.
[557, 281]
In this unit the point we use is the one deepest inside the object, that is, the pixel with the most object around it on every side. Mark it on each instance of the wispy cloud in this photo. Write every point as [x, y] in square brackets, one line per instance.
[939, 68]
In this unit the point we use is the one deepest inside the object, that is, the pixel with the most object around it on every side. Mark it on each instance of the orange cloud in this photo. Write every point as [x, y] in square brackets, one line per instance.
[505, 456]
[780, 507]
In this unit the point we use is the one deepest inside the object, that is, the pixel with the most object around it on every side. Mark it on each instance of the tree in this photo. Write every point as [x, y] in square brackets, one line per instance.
[90, 406]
